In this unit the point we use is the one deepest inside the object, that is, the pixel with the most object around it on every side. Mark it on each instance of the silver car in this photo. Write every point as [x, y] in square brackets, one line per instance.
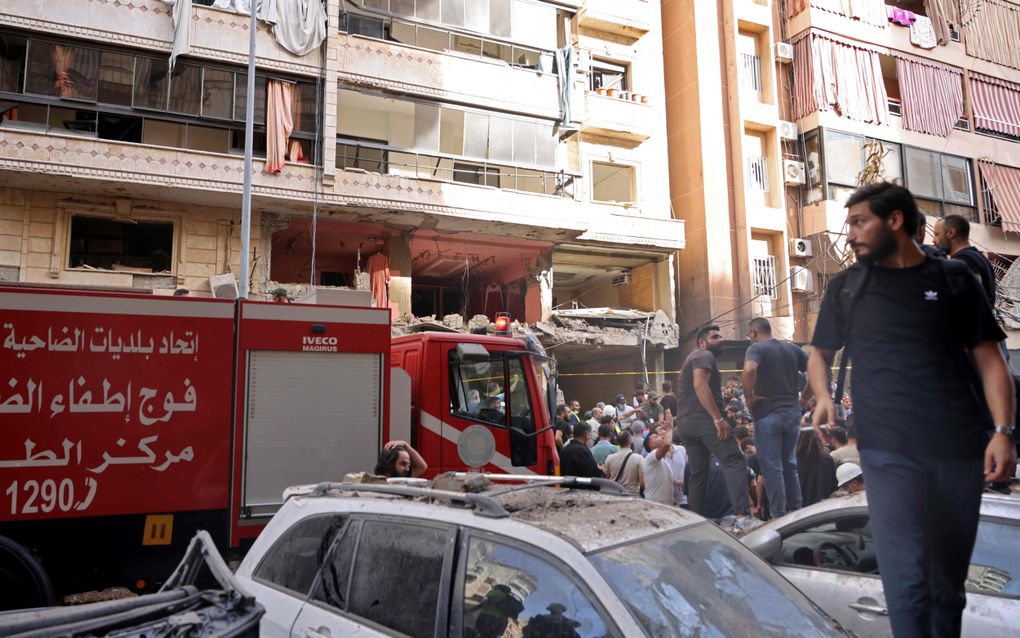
[827, 551]
[528, 561]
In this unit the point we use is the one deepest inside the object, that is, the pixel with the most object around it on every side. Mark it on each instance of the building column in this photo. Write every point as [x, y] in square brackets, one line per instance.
[399, 252]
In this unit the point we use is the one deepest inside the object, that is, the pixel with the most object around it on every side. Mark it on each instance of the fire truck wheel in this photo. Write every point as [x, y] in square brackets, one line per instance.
[23, 581]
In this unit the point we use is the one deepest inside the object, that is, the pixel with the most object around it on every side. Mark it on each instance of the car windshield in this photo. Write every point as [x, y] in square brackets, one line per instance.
[699, 581]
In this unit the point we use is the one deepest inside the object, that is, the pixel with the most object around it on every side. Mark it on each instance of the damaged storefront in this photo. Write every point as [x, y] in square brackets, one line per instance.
[605, 314]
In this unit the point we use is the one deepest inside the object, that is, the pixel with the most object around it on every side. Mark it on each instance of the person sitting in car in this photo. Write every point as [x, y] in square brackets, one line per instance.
[398, 459]
[490, 411]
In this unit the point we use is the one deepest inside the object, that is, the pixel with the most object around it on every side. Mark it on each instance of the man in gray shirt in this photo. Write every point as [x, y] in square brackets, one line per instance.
[772, 390]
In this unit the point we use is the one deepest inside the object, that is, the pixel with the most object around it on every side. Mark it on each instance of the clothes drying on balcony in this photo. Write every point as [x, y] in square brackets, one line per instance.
[867, 11]
[899, 16]
[180, 14]
[922, 33]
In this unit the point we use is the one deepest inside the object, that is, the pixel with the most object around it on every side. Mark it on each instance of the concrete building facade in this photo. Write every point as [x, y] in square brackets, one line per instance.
[443, 135]
[793, 103]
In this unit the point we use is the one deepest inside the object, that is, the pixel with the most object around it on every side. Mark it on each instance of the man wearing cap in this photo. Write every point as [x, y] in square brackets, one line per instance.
[279, 295]
[849, 480]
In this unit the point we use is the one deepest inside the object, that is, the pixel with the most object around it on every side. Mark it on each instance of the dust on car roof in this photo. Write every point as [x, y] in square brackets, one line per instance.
[588, 519]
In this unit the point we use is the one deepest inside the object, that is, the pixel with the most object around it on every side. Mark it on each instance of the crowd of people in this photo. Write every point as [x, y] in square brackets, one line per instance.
[639, 443]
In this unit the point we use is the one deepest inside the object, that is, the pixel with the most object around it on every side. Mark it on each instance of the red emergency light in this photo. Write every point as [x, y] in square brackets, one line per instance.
[502, 323]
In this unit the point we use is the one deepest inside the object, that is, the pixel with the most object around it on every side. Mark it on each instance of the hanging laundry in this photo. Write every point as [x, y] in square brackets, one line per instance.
[922, 33]
[378, 267]
[899, 16]
[299, 25]
[180, 22]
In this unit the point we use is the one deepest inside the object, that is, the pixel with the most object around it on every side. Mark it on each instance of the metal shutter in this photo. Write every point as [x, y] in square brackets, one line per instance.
[311, 417]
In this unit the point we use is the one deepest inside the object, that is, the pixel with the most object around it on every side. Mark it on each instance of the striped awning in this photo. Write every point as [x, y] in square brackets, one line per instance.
[1003, 182]
[932, 95]
[996, 104]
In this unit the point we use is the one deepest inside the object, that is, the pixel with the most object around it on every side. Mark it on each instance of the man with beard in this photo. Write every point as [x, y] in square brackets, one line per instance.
[952, 235]
[924, 411]
[706, 433]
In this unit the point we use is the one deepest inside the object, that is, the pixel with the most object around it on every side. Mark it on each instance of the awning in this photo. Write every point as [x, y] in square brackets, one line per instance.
[996, 104]
[1004, 184]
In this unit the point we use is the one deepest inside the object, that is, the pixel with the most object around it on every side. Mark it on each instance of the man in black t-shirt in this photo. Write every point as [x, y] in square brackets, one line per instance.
[772, 391]
[952, 234]
[575, 457]
[706, 433]
[923, 422]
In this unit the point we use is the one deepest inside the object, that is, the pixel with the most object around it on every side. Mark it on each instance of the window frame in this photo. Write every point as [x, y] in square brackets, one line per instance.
[446, 581]
[315, 577]
[174, 222]
[164, 114]
[456, 386]
[602, 65]
[456, 615]
[633, 168]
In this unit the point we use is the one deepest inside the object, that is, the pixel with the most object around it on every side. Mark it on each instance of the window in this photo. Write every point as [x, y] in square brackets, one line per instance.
[334, 580]
[294, 559]
[116, 78]
[121, 244]
[843, 543]
[608, 75]
[942, 184]
[758, 173]
[477, 390]
[612, 183]
[763, 274]
[62, 70]
[186, 89]
[152, 81]
[995, 562]
[523, 450]
[474, 174]
[356, 154]
[400, 573]
[12, 62]
[511, 592]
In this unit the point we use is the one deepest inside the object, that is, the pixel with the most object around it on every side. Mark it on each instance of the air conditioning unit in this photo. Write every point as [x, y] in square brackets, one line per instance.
[793, 172]
[802, 279]
[784, 52]
[788, 131]
[800, 247]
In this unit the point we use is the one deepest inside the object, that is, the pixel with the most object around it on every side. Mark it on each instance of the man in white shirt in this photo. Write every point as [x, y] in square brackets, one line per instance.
[678, 464]
[658, 474]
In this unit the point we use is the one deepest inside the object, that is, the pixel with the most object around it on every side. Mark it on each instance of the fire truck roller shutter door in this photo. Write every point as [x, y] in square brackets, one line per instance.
[332, 398]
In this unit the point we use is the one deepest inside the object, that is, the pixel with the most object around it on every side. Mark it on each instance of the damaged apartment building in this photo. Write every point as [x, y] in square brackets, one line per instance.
[457, 158]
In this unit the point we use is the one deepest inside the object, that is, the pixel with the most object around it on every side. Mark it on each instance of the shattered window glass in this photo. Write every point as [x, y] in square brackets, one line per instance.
[509, 592]
[294, 559]
[699, 581]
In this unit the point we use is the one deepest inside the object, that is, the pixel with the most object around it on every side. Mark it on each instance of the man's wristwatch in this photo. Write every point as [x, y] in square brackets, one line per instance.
[1004, 429]
[719, 420]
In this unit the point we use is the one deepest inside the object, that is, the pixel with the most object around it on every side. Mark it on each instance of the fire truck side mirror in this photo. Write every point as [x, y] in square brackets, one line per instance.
[472, 352]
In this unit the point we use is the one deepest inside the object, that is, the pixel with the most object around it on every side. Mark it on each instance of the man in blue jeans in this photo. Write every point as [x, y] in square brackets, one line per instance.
[933, 424]
[772, 391]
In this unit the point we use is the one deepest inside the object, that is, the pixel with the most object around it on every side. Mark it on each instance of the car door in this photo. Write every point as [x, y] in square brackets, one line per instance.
[506, 588]
[831, 559]
[384, 577]
[282, 579]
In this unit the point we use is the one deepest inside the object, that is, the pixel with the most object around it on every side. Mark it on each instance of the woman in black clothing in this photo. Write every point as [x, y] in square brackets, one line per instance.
[815, 467]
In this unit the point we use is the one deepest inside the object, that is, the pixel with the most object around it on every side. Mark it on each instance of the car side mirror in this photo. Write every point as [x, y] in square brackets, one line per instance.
[765, 543]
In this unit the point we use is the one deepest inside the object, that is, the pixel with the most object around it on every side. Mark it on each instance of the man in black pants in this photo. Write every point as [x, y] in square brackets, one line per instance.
[924, 412]
[706, 433]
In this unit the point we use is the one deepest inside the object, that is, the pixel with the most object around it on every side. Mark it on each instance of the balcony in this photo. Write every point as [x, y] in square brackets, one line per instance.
[629, 19]
[450, 77]
[617, 117]
[215, 34]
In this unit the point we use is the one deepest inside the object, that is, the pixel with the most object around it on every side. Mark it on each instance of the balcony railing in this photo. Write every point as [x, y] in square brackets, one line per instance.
[750, 71]
[758, 173]
[390, 160]
[763, 277]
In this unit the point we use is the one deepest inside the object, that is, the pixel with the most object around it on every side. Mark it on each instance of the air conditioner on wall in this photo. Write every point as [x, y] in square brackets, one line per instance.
[784, 52]
[788, 131]
[793, 172]
[800, 247]
[801, 279]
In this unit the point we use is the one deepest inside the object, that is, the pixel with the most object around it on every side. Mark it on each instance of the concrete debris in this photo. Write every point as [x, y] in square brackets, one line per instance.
[363, 477]
[110, 593]
[453, 321]
[477, 322]
[471, 484]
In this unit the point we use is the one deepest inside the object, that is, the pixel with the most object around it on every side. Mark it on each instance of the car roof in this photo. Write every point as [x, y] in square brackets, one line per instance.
[588, 519]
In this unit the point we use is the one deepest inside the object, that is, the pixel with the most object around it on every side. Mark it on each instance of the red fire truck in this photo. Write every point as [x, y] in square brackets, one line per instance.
[128, 422]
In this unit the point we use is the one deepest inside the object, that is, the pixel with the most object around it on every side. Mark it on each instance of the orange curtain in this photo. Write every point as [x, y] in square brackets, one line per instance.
[62, 58]
[294, 151]
[279, 123]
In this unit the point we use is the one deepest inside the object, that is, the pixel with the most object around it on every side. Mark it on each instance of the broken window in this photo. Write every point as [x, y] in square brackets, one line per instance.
[12, 62]
[152, 81]
[128, 245]
[612, 183]
[295, 558]
[608, 75]
[356, 154]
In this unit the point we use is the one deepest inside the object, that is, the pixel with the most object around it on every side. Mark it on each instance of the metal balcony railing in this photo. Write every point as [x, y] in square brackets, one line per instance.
[758, 173]
[750, 71]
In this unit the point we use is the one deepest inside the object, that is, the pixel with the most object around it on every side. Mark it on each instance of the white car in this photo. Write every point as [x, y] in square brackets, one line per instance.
[531, 561]
[826, 550]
